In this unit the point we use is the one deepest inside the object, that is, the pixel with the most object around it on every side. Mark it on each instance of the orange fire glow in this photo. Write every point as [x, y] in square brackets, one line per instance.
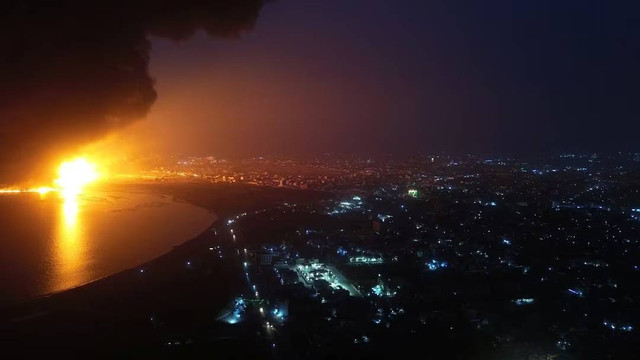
[74, 175]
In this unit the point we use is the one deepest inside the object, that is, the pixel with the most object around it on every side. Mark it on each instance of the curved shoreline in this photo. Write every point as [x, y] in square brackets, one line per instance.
[221, 200]
[173, 198]
[120, 272]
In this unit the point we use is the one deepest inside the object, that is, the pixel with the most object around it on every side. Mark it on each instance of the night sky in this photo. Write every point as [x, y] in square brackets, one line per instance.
[408, 76]
[243, 78]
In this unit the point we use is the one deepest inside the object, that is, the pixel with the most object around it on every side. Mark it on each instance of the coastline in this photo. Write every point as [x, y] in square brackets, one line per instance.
[164, 244]
[173, 298]
[225, 204]
[143, 264]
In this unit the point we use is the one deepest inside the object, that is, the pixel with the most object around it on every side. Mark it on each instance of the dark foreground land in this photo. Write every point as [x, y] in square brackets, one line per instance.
[146, 311]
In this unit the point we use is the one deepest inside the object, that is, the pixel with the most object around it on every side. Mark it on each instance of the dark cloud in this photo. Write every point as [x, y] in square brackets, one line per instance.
[70, 71]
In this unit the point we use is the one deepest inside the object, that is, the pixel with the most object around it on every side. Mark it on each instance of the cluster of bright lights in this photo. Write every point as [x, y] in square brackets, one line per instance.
[317, 271]
[613, 326]
[382, 291]
[366, 260]
[434, 265]
[524, 301]
[235, 315]
[278, 313]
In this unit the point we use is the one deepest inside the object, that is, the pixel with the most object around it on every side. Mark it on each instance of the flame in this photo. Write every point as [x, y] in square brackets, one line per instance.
[43, 190]
[11, 191]
[74, 175]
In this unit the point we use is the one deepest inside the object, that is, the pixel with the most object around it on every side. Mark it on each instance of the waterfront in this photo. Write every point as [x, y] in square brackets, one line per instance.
[48, 244]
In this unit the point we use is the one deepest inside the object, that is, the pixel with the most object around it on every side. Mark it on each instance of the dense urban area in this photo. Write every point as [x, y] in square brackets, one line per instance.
[339, 257]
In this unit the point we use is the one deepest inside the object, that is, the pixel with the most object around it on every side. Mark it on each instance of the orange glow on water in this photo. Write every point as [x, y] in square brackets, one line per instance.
[70, 244]
[73, 176]
[70, 210]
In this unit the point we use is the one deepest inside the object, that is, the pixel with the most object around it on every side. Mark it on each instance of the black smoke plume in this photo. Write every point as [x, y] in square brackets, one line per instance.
[70, 71]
